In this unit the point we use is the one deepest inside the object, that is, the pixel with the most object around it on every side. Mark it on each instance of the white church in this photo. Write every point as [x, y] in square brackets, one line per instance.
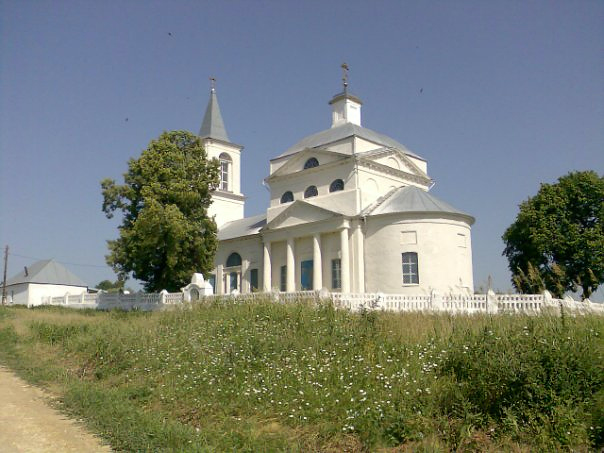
[350, 211]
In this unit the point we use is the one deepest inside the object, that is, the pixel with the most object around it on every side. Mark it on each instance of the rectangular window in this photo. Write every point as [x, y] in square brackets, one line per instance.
[234, 277]
[254, 280]
[410, 271]
[224, 175]
[283, 282]
[306, 268]
[212, 281]
[336, 274]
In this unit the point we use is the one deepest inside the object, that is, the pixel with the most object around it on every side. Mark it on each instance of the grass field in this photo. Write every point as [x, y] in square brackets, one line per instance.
[271, 377]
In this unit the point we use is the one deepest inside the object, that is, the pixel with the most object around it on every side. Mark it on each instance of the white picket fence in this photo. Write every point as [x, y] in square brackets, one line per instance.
[450, 303]
[109, 301]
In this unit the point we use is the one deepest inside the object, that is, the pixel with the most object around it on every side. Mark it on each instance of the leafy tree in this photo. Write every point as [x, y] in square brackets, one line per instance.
[557, 240]
[165, 235]
[108, 285]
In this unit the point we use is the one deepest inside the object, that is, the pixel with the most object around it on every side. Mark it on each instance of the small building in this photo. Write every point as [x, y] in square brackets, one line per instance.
[350, 211]
[45, 278]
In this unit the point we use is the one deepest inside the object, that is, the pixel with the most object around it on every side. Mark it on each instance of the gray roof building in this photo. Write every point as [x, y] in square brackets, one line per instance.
[46, 272]
[242, 227]
[411, 199]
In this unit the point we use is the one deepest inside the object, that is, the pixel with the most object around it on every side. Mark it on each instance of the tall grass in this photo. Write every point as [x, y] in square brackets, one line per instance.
[300, 377]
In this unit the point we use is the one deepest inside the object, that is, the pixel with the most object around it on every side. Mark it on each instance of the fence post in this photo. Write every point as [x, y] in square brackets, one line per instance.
[492, 305]
[324, 294]
[436, 301]
[547, 299]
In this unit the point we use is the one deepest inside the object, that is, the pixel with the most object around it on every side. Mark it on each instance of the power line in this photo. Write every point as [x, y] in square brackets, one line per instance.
[62, 262]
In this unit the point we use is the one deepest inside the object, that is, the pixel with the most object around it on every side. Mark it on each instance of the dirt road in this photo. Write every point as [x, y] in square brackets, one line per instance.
[29, 424]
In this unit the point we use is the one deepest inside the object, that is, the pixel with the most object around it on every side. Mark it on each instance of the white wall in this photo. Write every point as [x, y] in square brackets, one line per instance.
[251, 252]
[225, 209]
[444, 254]
[32, 293]
[214, 148]
[322, 177]
[375, 184]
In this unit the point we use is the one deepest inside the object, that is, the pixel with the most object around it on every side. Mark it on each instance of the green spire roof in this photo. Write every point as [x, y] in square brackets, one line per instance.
[212, 125]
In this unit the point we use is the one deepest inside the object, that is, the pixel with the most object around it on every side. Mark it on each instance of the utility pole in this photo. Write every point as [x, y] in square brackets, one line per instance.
[4, 280]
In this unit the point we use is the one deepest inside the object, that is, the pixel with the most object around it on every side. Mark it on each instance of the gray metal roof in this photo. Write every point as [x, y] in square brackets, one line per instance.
[341, 132]
[212, 125]
[413, 199]
[47, 271]
[242, 227]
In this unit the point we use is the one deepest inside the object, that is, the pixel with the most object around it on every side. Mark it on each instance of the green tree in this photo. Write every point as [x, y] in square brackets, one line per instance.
[557, 240]
[165, 235]
[109, 286]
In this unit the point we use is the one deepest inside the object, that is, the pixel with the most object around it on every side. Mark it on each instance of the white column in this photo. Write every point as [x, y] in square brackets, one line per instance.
[345, 260]
[317, 262]
[359, 245]
[219, 280]
[291, 267]
[267, 269]
[245, 278]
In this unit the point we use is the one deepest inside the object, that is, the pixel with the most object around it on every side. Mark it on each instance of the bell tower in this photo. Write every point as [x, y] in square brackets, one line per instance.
[227, 200]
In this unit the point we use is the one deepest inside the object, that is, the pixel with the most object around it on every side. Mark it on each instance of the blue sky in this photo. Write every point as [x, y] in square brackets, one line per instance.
[498, 96]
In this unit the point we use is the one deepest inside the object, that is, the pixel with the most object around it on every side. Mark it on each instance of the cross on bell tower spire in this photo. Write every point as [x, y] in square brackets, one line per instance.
[212, 125]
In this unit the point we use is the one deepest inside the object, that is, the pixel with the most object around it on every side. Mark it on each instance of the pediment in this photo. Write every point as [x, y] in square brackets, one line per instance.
[300, 213]
[296, 162]
[394, 159]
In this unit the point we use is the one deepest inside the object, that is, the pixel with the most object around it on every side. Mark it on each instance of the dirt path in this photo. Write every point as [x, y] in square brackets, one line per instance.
[29, 424]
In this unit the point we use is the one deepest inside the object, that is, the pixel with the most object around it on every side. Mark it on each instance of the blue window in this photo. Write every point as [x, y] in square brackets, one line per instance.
[311, 163]
[306, 270]
[283, 282]
[234, 259]
[233, 281]
[336, 185]
[287, 197]
[336, 274]
[254, 279]
[311, 191]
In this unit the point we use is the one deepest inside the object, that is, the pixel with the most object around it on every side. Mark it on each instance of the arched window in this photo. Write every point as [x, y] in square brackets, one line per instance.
[234, 259]
[338, 184]
[311, 191]
[225, 169]
[287, 197]
[311, 163]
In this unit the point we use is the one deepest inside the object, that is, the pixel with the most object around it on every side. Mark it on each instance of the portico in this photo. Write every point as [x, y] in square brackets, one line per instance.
[308, 257]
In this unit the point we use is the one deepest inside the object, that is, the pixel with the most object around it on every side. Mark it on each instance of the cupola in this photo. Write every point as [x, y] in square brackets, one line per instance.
[346, 108]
